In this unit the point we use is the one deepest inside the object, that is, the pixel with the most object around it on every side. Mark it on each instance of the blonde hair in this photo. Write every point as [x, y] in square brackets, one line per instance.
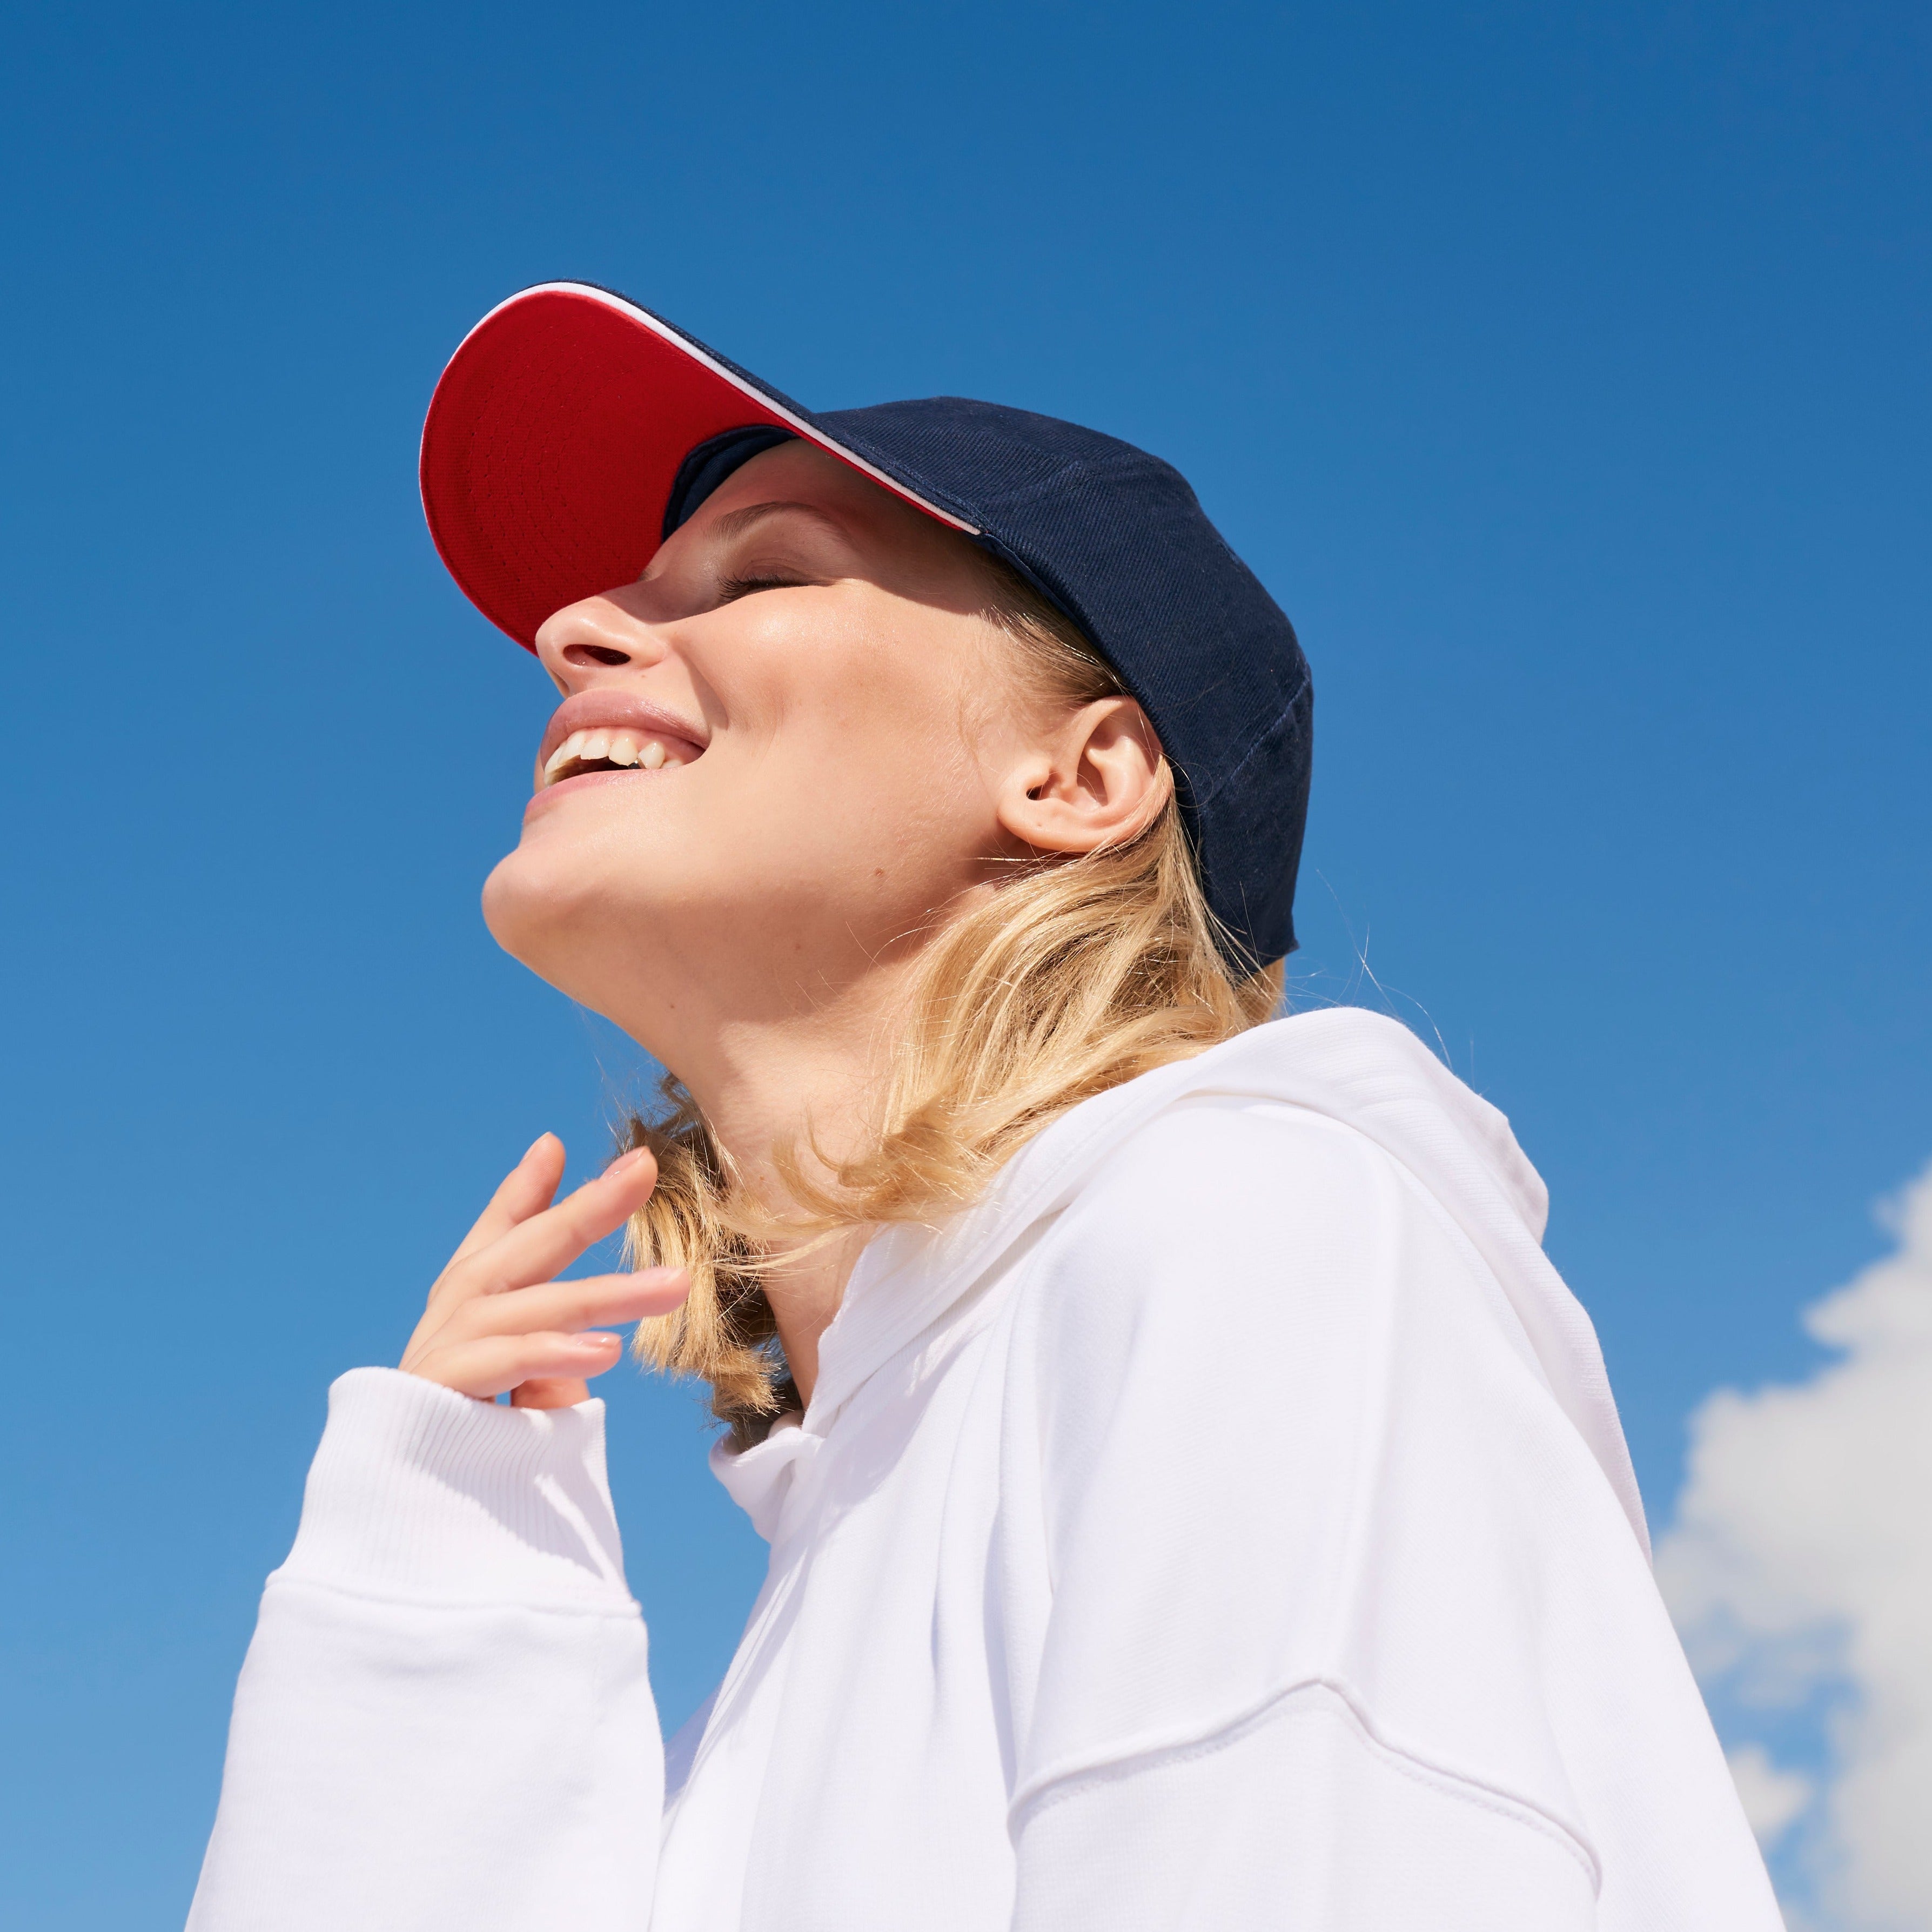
[1073, 976]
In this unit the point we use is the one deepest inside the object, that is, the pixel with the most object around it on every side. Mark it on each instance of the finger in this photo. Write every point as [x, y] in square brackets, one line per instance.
[526, 1190]
[591, 1301]
[545, 1394]
[547, 1243]
[485, 1368]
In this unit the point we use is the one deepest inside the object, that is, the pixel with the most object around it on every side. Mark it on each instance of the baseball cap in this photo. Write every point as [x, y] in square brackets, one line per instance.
[574, 431]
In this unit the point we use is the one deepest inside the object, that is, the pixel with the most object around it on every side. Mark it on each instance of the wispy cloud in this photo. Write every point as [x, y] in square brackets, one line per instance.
[1800, 1572]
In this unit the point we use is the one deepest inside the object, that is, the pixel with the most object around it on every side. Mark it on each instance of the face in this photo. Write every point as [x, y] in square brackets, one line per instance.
[781, 753]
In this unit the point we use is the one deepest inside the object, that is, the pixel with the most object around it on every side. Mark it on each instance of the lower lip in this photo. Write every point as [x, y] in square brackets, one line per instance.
[541, 801]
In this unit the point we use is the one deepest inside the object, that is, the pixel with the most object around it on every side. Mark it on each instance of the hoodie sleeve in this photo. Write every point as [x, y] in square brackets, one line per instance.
[444, 1718]
[1347, 1628]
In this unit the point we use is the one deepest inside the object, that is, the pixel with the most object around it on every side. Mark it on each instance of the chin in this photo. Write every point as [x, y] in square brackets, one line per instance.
[576, 917]
[541, 916]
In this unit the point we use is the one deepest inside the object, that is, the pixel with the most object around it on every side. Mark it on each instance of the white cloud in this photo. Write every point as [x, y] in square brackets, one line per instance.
[1772, 1797]
[1800, 1572]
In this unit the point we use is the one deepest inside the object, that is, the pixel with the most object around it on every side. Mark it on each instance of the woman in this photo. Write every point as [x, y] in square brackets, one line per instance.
[1194, 1501]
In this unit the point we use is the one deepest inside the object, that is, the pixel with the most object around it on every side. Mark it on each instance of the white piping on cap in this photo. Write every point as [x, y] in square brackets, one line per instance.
[634, 313]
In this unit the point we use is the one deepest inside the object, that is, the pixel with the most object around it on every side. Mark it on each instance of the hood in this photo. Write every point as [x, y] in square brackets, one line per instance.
[1359, 1068]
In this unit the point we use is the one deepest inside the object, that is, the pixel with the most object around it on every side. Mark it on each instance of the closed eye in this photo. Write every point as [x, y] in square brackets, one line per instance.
[729, 589]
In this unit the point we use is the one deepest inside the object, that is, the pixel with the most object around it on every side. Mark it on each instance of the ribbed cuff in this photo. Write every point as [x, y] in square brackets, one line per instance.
[420, 1492]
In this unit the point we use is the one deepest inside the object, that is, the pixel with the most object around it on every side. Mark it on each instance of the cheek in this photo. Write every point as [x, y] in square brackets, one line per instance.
[880, 782]
[846, 755]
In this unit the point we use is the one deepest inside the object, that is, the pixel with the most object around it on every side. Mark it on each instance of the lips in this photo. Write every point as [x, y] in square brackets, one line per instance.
[610, 732]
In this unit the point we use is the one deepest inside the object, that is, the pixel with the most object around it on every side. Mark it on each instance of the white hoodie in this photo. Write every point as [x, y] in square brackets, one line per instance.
[1226, 1523]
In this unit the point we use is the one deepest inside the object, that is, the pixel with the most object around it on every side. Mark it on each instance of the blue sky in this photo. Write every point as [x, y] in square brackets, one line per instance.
[1561, 369]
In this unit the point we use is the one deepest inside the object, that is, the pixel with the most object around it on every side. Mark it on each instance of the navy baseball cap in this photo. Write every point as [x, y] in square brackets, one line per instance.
[574, 431]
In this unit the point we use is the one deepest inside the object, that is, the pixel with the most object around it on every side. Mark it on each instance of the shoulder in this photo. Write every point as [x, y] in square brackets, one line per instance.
[1221, 1245]
[1248, 1153]
[1252, 1312]
[1235, 1242]
[1219, 1197]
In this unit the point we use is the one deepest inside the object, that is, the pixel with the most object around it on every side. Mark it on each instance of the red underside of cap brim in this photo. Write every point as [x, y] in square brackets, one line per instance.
[551, 447]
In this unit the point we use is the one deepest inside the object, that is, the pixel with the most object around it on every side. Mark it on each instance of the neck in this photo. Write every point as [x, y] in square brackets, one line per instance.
[808, 1082]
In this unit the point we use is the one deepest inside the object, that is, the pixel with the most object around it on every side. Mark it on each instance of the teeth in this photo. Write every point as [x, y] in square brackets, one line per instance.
[572, 747]
[618, 748]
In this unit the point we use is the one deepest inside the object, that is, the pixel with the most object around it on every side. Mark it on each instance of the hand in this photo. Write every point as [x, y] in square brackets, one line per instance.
[495, 1319]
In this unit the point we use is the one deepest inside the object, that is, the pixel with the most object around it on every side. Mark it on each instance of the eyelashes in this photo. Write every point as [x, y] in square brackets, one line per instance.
[730, 588]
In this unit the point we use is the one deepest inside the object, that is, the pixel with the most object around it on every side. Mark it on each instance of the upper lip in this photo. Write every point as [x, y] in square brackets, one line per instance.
[615, 710]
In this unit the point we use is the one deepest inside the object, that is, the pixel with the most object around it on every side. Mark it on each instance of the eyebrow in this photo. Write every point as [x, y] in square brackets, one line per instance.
[735, 522]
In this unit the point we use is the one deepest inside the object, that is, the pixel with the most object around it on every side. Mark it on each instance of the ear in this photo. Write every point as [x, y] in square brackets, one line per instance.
[1097, 778]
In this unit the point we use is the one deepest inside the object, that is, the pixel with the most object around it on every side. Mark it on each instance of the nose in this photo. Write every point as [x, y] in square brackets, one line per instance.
[596, 635]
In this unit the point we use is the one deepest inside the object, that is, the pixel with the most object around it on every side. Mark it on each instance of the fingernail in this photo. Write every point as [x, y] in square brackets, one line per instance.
[625, 1161]
[601, 1341]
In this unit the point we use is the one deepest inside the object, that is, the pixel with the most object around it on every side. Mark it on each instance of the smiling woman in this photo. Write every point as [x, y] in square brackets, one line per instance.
[926, 795]
[816, 662]
[804, 623]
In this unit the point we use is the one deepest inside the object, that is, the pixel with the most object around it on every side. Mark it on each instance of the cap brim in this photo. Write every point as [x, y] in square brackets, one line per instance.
[554, 438]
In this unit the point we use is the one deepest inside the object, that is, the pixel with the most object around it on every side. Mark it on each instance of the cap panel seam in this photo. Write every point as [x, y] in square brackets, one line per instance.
[1257, 742]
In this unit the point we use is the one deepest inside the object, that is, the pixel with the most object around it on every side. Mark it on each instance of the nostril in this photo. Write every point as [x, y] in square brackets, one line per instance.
[594, 654]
